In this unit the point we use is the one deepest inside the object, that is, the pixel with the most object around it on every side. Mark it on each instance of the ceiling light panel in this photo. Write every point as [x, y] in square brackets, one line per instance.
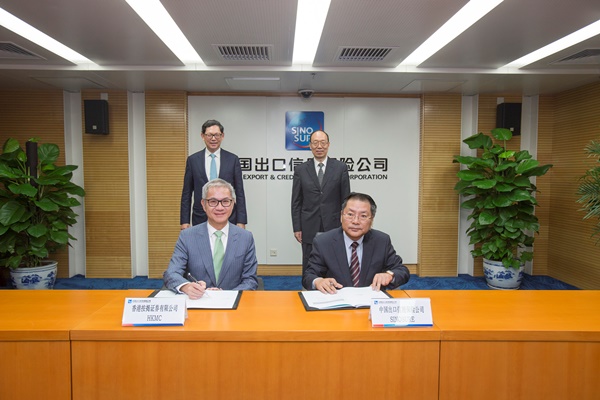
[158, 19]
[27, 31]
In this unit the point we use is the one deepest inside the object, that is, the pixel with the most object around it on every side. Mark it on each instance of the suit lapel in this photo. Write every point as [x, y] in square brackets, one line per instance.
[341, 258]
[224, 160]
[368, 249]
[313, 173]
[229, 253]
[202, 166]
[206, 255]
[328, 172]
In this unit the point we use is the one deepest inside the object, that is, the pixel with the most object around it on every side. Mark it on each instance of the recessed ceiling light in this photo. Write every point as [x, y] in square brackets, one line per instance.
[253, 83]
[22, 28]
[310, 20]
[472, 12]
[160, 21]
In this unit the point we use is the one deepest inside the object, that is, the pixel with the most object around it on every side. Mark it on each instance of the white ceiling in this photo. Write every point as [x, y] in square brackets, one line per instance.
[132, 57]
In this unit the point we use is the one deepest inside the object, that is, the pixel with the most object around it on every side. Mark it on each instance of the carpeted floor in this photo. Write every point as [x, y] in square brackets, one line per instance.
[461, 282]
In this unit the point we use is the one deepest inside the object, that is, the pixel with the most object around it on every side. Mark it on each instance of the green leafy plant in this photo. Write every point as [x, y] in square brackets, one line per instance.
[36, 204]
[500, 195]
[589, 188]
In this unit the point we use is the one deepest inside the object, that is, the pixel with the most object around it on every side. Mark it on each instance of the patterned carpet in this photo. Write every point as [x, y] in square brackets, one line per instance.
[461, 282]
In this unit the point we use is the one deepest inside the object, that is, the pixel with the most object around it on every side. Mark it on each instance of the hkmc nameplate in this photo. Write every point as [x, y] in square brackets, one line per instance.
[153, 311]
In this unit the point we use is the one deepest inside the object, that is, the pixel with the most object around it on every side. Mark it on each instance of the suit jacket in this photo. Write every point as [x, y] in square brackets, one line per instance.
[313, 205]
[196, 176]
[193, 254]
[329, 260]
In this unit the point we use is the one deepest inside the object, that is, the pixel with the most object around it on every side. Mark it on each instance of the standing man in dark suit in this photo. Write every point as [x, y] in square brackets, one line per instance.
[320, 186]
[355, 254]
[208, 164]
[217, 254]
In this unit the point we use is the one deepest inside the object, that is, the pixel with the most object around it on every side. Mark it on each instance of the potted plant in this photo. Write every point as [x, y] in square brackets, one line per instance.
[36, 210]
[589, 188]
[498, 191]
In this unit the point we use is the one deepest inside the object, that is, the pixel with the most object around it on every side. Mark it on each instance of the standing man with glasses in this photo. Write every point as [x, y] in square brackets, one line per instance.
[319, 187]
[208, 164]
[355, 254]
[215, 254]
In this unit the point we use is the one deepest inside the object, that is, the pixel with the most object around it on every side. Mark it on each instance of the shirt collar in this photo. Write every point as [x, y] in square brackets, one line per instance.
[217, 153]
[212, 230]
[317, 162]
[348, 241]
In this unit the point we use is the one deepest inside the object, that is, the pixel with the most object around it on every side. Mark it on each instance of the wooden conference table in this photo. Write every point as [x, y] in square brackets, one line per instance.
[547, 343]
[35, 339]
[524, 344]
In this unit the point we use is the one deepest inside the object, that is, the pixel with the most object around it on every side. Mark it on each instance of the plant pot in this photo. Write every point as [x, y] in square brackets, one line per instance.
[42, 277]
[500, 277]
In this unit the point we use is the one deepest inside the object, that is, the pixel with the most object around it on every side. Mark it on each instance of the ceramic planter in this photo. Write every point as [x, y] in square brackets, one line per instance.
[42, 277]
[500, 277]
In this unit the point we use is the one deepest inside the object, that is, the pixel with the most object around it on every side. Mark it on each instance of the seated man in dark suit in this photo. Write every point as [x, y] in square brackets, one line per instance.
[217, 254]
[355, 254]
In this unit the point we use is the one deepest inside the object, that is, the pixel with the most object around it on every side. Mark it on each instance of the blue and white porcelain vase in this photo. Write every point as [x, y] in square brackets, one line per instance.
[42, 277]
[500, 277]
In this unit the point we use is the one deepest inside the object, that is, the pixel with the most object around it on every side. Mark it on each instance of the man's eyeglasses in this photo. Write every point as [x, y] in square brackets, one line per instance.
[361, 217]
[214, 202]
[316, 143]
[212, 135]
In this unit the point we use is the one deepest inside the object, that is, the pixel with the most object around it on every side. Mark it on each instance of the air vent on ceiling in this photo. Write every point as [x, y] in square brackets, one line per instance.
[587, 56]
[362, 54]
[240, 52]
[9, 50]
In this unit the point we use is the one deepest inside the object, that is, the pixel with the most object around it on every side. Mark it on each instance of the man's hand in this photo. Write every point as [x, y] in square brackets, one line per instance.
[382, 279]
[185, 226]
[327, 285]
[243, 226]
[194, 290]
[298, 236]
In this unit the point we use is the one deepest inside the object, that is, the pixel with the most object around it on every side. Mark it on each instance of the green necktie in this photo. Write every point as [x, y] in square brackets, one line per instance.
[219, 254]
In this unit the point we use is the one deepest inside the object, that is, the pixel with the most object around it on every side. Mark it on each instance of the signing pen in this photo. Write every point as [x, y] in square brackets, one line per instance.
[191, 278]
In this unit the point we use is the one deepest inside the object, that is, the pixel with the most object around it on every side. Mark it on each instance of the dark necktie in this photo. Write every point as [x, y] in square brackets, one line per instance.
[320, 174]
[354, 265]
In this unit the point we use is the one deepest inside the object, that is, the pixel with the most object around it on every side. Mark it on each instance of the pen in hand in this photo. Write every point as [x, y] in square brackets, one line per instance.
[191, 278]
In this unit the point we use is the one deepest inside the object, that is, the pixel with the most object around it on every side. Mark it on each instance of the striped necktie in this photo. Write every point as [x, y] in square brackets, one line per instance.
[354, 265]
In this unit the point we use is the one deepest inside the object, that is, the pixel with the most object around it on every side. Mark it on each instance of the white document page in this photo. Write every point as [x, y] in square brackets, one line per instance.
[212, 299]
[345, 297]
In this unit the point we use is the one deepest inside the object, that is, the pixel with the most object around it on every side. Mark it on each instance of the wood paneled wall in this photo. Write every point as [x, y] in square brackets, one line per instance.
[438, 202]
[545, 148]
[39, 114]
[573, 256]
[166, 153]
[106, 181]
[567, 122]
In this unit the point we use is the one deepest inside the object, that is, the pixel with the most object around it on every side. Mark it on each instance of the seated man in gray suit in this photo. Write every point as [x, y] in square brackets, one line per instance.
[355, 254]
[215, 254]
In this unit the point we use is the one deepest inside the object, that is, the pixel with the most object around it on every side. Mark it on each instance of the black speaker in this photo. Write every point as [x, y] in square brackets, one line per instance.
[508, 115]
[96, 116]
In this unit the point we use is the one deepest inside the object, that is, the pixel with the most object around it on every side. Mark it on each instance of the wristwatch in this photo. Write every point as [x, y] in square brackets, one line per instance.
[392, 274]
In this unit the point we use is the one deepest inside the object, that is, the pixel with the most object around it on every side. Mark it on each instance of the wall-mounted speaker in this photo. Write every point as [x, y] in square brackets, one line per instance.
[96, 116]
[508, 115]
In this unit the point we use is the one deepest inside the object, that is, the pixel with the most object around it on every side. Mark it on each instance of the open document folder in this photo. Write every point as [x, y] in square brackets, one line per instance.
[345, 298]
[212, 299]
